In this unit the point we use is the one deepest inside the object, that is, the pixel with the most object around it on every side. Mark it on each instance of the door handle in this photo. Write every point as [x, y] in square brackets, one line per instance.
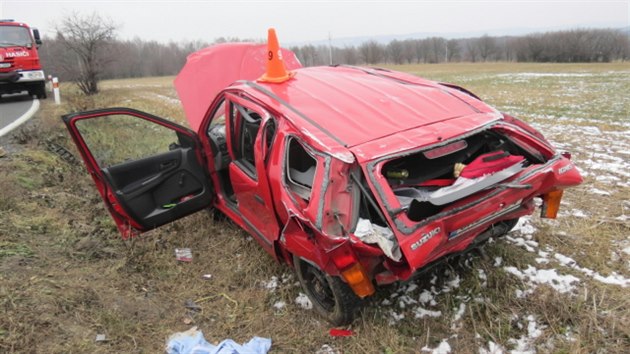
[167, 165]
[259, 199]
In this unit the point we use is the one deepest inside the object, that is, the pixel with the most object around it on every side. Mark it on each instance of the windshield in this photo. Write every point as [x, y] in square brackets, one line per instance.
[14, 35]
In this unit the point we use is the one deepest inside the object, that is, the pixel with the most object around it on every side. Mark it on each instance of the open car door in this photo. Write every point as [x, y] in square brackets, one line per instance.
[147, 169]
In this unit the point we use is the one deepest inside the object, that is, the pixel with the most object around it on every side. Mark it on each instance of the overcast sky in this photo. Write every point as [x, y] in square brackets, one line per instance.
[301, 21]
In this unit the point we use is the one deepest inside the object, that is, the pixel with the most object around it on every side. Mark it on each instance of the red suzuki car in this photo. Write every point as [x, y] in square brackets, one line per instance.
[356, 177]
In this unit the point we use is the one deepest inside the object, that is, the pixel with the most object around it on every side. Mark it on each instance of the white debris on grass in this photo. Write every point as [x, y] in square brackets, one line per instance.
[279, 305]
[443, 348]
[493, 348]
[535, 277]
[498, 261]
[626, 250]
[326, 349]
[303, 301]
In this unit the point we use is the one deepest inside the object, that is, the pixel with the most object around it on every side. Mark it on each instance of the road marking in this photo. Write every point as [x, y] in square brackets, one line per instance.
[26, 116]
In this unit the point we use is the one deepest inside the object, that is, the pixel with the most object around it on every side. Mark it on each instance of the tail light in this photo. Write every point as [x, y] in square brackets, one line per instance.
[352, 271]
[358, 280]
[551, 204]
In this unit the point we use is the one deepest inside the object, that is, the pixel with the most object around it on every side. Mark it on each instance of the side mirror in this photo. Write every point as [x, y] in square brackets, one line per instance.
[38, 40]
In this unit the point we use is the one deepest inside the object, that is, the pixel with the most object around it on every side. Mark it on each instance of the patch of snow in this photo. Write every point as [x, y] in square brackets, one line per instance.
[623, 218]
[279, 305]
[304, 302]
[524, 227]
[578, 213]
[519, 241]
[443, 348]
[498, 261]
[613, 278]
[533, 330]
[271, 284]
[535, 277]
[598, 191]
[395, 317]
[493, 348]
[451, 284]
[422, 313]
[460, 312]
[483, 277]
[524, 345]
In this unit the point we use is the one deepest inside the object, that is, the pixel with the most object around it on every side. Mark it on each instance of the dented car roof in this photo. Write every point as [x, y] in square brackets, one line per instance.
[337, 106]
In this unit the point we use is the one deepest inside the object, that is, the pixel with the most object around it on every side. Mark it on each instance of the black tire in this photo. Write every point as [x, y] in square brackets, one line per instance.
[509, 224]
[40, 91]
[331, 297]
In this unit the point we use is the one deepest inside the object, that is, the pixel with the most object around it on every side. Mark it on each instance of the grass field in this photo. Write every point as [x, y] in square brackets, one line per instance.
[551, 286]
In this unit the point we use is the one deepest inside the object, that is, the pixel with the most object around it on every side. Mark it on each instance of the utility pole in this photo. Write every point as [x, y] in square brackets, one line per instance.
[446, 47]
[330, 48]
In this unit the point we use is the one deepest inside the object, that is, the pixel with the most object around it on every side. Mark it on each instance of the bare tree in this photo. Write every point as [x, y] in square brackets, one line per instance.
[371, 52]
[88, 37]
[395, 50]
[486, 46]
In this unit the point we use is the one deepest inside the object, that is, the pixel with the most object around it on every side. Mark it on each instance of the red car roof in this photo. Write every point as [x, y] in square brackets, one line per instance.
[336, 107]
[359, 105]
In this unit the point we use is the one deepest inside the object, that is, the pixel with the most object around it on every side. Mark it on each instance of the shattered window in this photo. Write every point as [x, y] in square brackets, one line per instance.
[301, 167]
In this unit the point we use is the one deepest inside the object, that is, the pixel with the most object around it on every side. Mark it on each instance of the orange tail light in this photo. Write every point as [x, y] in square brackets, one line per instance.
[551, 204]
[358, 280]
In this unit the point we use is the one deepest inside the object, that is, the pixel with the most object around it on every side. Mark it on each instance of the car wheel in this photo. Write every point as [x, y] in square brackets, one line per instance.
[509, 225]
[41, 91]
[331, 297]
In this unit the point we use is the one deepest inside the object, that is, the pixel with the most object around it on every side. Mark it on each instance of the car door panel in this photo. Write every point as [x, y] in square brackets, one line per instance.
[249, 177]
[152, 190]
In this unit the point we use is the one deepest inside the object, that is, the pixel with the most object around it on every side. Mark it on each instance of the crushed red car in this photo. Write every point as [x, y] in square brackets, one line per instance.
[356, 177]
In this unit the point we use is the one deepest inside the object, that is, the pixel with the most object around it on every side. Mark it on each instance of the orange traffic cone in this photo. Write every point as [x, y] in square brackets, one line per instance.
[276, 71]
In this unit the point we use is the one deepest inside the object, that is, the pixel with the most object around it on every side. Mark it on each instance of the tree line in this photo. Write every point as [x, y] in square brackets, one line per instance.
[571, 46]
[85, 49]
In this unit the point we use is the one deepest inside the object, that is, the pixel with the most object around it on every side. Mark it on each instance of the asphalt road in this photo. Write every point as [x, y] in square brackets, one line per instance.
[14, 110]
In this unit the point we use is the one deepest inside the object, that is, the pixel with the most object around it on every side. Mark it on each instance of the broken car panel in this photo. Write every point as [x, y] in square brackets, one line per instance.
[356, 177]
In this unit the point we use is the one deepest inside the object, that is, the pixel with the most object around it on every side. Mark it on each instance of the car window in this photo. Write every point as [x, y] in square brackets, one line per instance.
[245, 126]
[218, 116]
[301, 167]
[115, 139]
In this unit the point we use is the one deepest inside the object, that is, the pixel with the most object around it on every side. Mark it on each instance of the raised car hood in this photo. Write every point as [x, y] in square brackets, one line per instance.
[212, 69]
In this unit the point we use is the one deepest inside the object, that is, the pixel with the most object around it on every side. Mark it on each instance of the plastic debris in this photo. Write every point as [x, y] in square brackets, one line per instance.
[191, 305]
[100, 338]
[193, 342]
[382, 236]
[206, 276]
[183, 254]
[336, 332]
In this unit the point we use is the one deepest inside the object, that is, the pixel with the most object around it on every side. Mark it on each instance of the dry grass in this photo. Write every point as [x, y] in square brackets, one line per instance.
[67, 276]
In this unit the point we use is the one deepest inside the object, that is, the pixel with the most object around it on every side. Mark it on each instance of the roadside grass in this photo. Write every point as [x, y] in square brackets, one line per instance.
[66, 276]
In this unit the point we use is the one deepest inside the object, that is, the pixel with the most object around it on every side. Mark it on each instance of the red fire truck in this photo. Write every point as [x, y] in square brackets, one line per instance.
[20, 68]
